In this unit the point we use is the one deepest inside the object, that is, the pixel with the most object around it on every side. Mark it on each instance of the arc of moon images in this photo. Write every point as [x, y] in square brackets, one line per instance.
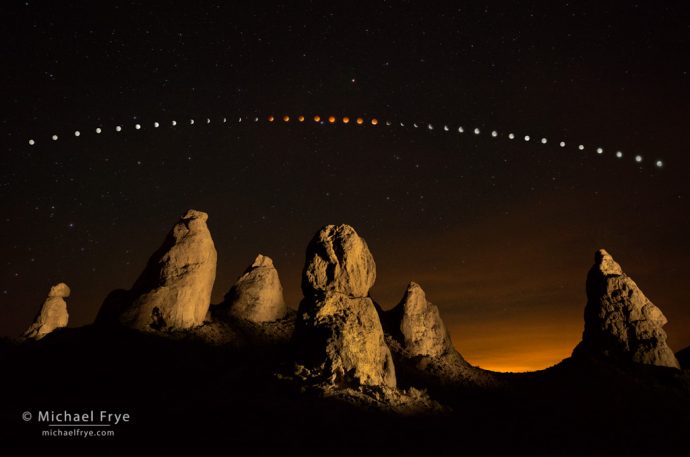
[360, 121]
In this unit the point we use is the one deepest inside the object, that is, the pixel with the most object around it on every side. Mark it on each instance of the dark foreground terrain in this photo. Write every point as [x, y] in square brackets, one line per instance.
[185, 393]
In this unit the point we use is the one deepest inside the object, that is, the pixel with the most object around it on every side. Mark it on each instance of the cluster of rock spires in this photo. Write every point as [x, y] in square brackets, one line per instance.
[174, 290]
[341, 336]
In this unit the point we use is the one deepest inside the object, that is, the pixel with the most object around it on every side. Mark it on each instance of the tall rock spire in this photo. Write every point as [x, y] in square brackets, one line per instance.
[338, 332]
[174, 290]
[620, 321]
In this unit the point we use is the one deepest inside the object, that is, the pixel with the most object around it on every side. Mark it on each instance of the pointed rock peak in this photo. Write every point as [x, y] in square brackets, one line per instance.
[257, 295]
[604, 263]
[262, 261]
[53, 313]
[61, 290]
[422, 331]
[338, 260]
[414, 298]
[620, 321]
[174, 290]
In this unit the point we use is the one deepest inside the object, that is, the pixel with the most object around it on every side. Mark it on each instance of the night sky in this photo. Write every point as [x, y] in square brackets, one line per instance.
[500, 233]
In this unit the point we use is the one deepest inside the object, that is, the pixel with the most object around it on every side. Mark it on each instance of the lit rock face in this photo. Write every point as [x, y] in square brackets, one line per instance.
[422, 332]
[174, 290]
[257, 296]
[338, 331]
[338, 260]
[53, 313]
[421, 345]
[619, 320]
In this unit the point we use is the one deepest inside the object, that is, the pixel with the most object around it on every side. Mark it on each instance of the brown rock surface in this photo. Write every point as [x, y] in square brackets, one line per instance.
[257, 296]
[174, 290]
[620, 320]
[421, 327]
[338, 260]
[421, 345]
[53, 313]
[338, 331]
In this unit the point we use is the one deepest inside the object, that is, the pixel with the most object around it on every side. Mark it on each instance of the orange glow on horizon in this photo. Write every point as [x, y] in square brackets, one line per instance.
[514, 346]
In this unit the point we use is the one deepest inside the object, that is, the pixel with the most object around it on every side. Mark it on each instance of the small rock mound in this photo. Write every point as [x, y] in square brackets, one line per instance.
[174, 290]
[53, 313]
[620, 321]
[257, 296]
[338, 333]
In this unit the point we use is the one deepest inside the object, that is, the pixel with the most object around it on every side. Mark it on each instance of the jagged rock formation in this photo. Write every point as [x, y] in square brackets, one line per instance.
[338, 332]
[174, 290]
[421, 344]
[53, 313]
[257, 296]
[619, 320]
